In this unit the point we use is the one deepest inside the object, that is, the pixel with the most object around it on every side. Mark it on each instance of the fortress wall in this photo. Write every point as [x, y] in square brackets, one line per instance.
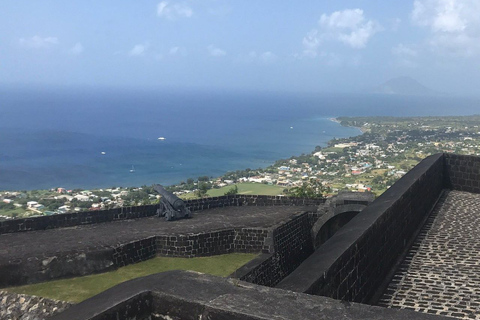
[71, 264]
[134, 252]
[136, 212]
[189, 295]
[196, 245]
[292, 244]
[249, 200]
[463, 172]
[76, 218]
[244, 240]
[354, 263]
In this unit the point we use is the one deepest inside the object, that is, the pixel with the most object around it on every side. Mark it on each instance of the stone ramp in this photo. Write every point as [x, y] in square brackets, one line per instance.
[441, 273]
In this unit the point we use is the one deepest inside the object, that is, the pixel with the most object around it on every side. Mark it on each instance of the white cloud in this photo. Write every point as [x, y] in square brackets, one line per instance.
[454, 24]
[349, 27]
[38, 42]
[138, 50]
[173, 11]
[310, 44]
[216, 52]
[77, 49]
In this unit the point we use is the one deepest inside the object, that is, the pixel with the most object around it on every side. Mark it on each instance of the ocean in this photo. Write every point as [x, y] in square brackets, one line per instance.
[98, 138]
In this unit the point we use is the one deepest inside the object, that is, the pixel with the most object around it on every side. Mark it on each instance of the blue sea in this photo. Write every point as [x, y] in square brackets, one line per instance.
[94, 138]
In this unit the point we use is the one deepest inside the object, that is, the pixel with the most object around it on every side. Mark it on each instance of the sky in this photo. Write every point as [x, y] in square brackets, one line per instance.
[308, 45]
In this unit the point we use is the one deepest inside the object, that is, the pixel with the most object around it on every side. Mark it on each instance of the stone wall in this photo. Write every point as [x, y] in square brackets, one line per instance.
[244, 240]
[71, 264]
[190, 295]
[196, 245]
[292, 244]
[463, 172]
[134, 252]
[124, 213]
[249, 200]
[354, 263]
[74, 219]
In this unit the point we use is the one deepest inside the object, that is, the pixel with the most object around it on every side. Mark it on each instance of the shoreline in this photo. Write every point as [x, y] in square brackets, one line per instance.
[263, 166]
[361, 129]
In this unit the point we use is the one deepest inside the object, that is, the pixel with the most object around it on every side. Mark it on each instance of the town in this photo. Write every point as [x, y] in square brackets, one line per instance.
[388, 148]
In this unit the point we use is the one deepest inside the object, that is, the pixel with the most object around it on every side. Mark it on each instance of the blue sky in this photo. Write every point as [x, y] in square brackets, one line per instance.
[319, 46]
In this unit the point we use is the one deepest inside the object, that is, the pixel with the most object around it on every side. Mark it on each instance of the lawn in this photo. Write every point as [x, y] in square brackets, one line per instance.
[249, 188]
[78, 289]
[243, 188]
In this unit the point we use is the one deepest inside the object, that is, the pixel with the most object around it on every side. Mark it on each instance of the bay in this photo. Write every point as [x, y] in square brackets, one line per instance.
[94, 138]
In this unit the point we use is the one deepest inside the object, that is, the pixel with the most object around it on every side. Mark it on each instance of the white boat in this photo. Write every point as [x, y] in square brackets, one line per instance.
[161, 138]
[133, 169]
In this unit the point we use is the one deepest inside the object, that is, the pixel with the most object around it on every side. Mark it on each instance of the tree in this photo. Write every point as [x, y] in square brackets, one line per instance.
[311, 189]
[202, 189]
[232, 191]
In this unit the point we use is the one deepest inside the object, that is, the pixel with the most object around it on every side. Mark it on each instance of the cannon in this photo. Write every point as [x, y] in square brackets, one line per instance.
[171, 206]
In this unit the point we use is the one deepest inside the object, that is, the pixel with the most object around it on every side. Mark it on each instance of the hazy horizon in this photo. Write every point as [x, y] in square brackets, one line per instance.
[325, 47]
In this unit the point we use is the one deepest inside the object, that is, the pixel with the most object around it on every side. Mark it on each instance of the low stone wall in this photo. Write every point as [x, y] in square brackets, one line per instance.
[249, 200]
[244, 240]
[189, 295]
[125, 213]
[74, 264]
[354, 263]
[292, 244]
[134, 252]
[462, 172]
[78, 218]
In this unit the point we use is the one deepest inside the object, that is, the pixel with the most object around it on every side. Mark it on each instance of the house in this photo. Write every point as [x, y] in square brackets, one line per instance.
[63, 209]
[81, 197]
[31, 204]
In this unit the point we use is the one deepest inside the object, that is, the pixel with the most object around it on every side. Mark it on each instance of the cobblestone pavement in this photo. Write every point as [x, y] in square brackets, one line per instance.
[111, 234]
[441, 273]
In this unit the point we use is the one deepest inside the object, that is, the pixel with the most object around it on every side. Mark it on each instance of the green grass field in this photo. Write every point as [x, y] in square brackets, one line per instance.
[249, 188]
[81, 288]
[243, 188]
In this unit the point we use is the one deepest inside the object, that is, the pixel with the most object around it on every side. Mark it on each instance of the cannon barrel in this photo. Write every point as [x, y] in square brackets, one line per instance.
[174, 201]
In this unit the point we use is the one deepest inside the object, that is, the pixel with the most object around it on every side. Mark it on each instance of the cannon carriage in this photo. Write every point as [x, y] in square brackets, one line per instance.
[171, 206]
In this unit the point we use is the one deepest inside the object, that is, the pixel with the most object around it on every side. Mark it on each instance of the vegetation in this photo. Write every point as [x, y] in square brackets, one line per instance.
[311, 189]
[81, 288]
[249, 188]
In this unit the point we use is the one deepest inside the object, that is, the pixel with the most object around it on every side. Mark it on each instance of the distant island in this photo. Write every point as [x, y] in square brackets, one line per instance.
[403, 86]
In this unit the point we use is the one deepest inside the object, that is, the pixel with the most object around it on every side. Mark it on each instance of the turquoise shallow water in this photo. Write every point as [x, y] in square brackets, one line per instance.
[53, 138]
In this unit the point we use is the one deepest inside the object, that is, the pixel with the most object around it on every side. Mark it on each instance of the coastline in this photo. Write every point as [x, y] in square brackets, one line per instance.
[361, 129]
[166, 163]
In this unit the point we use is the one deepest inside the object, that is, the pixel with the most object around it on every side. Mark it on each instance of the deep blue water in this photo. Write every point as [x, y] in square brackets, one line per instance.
[52, 138]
